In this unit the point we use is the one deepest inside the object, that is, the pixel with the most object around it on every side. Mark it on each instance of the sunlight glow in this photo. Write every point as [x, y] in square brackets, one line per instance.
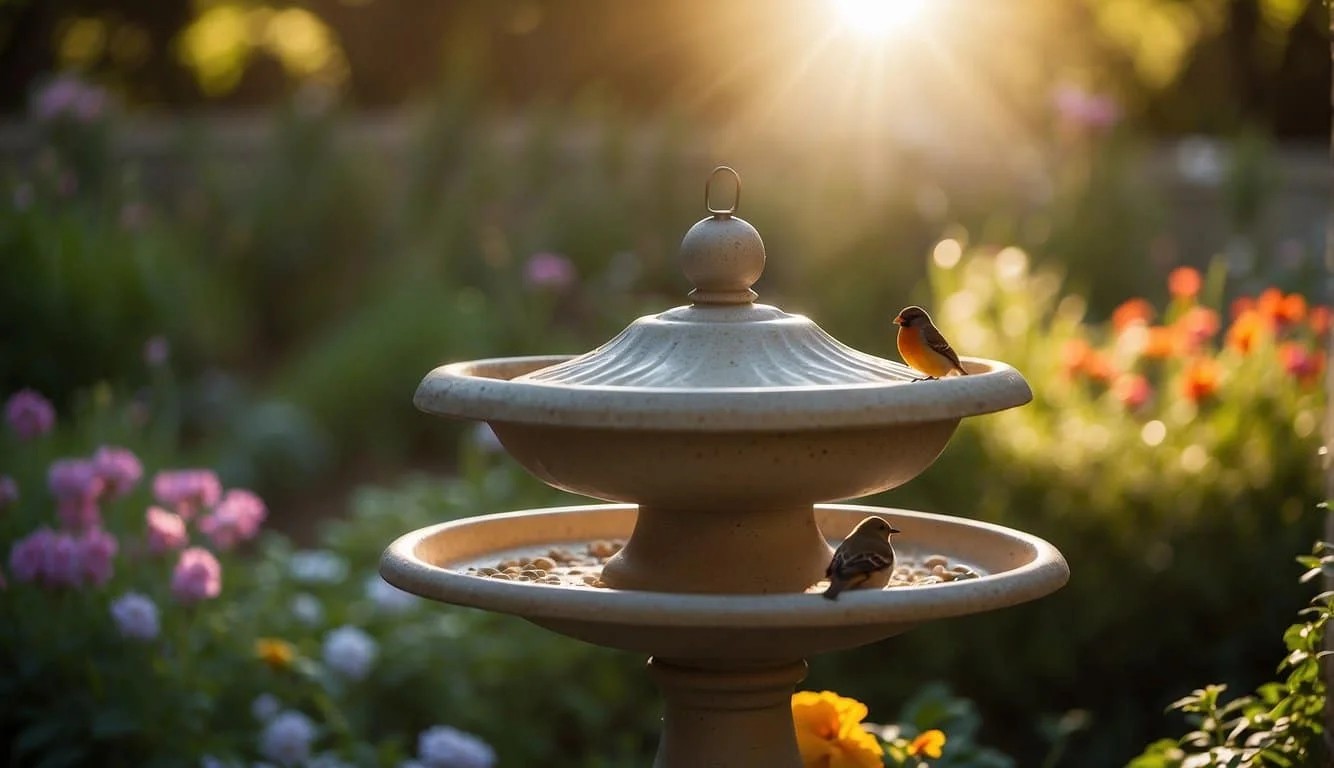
[876, 19]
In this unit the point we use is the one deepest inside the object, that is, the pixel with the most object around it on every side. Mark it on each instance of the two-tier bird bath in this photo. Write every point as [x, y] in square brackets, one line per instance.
[721, 429]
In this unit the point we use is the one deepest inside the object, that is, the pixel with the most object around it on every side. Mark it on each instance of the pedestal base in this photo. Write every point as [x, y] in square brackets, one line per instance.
[727, 718]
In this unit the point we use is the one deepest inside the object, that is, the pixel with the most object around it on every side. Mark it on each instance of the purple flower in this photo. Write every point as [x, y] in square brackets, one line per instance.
[97, 548]
[187, 490]
[76, 484]
[236, 519]
[135, 616]
[1085, 109]
[67, 96]
[119, 469]
[350, 652]
[63, 566]
[286, 739]
[166, 530]
[29, 414]
[9, 491]
[548, 271]
[197, 576]
[444, 746]
[27, 558]
[156, 351]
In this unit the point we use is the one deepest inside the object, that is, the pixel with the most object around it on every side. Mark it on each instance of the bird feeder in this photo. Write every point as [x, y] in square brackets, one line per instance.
[721, 431]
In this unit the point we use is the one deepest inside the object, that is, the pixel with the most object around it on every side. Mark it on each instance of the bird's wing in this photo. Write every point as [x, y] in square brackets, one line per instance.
[937, 342]
[846, 566]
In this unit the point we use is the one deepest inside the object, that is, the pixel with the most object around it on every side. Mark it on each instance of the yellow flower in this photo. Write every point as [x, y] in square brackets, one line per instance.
[928, 743]
[830, 733]
[275, 652]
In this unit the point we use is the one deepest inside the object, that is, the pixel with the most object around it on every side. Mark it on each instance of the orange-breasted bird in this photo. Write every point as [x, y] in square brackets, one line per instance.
[923, 347]
[864, 560]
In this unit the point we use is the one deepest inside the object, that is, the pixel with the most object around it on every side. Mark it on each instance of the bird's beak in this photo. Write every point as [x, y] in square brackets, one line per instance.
[892, 529]
[898, 321]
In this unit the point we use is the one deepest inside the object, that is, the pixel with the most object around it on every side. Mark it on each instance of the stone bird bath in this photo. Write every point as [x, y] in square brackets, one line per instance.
[721, 430]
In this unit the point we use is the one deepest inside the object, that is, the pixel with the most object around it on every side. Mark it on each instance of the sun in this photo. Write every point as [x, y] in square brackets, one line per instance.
[877, 19]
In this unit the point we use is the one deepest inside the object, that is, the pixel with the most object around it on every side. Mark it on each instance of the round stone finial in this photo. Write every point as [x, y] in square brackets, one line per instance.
[722, 255]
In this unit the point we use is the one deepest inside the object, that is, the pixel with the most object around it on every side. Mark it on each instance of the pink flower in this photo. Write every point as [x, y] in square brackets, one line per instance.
[236, 518]
[27, 558]
[9, 491]
[76, 484]
[187, 490]
[166, 530]
[1084, 109]
[1132, 390]
[97, 548]
[198, 576]
[29, 414]
[550, 271]
[119, 469]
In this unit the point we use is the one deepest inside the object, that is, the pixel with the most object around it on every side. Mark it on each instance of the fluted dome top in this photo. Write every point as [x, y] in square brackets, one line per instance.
[724, 339]
[705, 346]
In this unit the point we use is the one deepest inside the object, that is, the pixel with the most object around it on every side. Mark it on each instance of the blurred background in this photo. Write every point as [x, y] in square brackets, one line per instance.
[253, 227]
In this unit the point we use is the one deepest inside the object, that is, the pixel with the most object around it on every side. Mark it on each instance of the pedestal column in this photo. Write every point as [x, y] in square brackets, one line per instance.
[726, 718]
[721, 551]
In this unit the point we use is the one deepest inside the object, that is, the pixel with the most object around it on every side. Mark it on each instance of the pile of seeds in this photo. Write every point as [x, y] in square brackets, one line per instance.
[581, 566]
[913, 572]
[558, 565]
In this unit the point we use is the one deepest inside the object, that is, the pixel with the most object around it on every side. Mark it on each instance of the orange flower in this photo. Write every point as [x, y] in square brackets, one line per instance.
[1201, 378]
[1319, 319]
[1074, 353]
[1160, 344]
[830, 733]
[1184, 282]
[1282, 309]
[1303, 364]
[929, 743]
[1195, 327]
[277, 653]
[1132, 390]
[1098, 367]
[1130, 312]
[1240, 306]
[1247, 329]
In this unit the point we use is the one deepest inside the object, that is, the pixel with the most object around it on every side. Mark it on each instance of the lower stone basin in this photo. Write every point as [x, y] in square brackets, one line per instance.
[1012, 567]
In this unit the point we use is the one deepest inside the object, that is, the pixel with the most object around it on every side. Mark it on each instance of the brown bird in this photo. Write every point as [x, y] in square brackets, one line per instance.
[923, 347]
[864, 560]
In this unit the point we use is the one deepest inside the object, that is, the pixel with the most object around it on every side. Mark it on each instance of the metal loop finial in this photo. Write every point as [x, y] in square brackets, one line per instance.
[736, 200]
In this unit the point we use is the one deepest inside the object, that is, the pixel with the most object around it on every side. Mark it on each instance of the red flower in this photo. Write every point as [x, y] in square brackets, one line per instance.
[1132, 390]
[1184, 282]
[1303, 364]
[1130, 312]
[1201, 378]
